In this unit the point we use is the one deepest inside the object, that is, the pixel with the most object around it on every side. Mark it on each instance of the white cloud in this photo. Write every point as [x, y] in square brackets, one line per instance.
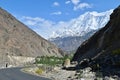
[39, 25]
[56, 13]
[36, 21]
[82, 6]
[75, 2]
[67, 2]
[56, 4]
[32, 21]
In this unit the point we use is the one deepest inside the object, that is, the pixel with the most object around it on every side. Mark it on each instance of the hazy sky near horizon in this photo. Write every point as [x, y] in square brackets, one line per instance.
[43, 15]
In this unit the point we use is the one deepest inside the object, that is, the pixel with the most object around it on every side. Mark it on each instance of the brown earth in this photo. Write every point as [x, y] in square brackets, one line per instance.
[16, 39]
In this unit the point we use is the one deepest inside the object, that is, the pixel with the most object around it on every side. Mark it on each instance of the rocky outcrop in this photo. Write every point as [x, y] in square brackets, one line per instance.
[16, 39]
[103, 47]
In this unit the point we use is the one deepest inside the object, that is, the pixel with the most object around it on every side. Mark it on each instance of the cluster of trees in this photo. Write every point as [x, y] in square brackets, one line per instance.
[52, 60]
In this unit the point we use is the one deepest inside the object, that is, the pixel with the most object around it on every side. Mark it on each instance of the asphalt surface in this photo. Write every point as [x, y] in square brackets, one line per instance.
[16, 74]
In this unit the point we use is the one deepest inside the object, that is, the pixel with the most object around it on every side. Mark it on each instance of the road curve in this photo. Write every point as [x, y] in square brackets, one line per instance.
[16, 74]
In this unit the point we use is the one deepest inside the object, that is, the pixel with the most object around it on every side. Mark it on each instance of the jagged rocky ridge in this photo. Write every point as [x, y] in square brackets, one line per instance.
[103, 48]
[17, 39]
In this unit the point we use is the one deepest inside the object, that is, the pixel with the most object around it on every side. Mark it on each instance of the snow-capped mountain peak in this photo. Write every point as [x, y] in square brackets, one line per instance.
[83, 24]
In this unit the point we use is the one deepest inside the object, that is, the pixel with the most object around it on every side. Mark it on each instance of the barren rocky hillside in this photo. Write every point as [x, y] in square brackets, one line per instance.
[17, 39]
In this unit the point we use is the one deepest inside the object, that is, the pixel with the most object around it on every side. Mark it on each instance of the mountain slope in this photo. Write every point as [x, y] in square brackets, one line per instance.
[104, 46]
[18, 40]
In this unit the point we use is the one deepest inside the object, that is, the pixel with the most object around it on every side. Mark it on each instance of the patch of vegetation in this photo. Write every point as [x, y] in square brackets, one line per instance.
[52, 60]
[117, 51]
[39, 71]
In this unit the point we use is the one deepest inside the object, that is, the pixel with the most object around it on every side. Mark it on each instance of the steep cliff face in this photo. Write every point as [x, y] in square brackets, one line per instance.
[104, 45]
[18, 40]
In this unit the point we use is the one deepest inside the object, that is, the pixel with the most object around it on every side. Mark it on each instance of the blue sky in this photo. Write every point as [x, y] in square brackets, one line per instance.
[45, 16]
[56, 10]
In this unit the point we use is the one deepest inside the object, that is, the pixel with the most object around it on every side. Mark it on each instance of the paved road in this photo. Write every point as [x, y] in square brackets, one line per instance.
[16, 74]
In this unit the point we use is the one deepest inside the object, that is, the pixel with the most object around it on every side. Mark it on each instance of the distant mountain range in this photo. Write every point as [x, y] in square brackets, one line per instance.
[71, 43]
[69, 37]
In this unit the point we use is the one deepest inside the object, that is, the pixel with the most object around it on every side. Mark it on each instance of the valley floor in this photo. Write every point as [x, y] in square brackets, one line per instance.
[56, 74]
[59, 74]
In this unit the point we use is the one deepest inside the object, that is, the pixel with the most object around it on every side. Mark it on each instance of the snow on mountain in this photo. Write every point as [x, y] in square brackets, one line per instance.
[83, 24]
[74, 27]
[68, 35]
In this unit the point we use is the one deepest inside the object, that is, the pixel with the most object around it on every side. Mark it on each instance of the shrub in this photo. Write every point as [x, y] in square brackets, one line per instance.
[39, 71]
